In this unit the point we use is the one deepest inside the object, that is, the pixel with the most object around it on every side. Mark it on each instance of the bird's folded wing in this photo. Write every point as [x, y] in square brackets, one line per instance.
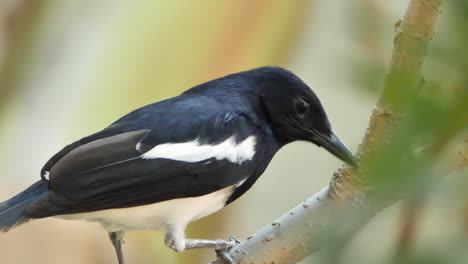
[111, 173]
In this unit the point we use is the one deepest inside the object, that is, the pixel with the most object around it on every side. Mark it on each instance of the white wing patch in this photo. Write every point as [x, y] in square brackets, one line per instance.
[193, 151]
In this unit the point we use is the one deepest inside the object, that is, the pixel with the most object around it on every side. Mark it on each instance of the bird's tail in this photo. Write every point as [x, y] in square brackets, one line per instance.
[12, 212]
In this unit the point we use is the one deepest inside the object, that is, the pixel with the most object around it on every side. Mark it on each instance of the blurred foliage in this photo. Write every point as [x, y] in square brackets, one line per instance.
[431, 115]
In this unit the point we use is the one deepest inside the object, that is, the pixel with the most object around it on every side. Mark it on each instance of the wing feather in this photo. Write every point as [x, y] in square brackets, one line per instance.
[110, 173]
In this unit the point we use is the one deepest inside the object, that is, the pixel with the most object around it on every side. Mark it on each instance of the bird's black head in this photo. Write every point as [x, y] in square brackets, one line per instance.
[295, 112]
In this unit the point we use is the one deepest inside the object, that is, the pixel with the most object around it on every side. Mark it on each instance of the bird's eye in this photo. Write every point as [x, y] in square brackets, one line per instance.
[302, 107]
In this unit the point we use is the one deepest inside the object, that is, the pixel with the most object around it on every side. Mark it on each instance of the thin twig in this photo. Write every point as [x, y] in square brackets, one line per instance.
[410, 218]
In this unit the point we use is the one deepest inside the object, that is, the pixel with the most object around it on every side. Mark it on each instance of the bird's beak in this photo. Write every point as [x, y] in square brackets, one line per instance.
[335, 146]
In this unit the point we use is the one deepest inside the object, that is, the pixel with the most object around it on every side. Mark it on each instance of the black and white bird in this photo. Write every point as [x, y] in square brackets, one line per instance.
[172, 162]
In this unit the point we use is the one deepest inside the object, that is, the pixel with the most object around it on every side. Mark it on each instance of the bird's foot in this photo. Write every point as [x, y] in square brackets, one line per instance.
[235, 240]
[220, 246]
[224, 247]
[227, 245]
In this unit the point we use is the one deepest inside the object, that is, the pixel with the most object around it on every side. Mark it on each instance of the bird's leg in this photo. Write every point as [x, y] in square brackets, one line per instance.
[117, 239]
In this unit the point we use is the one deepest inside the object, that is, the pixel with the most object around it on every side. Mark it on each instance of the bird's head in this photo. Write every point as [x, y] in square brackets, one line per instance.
[296, 113]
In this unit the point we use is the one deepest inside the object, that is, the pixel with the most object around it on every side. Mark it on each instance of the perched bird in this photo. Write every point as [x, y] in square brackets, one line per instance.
[169, 163]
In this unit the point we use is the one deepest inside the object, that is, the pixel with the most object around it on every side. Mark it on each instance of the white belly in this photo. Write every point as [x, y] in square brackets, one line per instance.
[157, 216]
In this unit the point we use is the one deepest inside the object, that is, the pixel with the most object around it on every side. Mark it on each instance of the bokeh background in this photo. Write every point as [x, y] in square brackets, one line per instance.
[70, 68]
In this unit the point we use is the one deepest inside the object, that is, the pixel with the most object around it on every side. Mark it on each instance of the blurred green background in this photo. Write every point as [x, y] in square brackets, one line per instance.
[70, 68]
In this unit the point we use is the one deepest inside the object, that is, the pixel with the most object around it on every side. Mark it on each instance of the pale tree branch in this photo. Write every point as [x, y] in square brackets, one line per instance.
[297, 233]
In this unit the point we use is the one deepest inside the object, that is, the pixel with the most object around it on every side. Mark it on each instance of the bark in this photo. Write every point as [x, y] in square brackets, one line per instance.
[297, 233]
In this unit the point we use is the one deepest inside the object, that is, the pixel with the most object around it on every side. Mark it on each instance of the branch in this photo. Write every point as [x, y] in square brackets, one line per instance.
[295, 235]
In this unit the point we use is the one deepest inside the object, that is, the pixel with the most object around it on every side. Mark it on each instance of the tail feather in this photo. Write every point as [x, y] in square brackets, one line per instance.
[12, 211]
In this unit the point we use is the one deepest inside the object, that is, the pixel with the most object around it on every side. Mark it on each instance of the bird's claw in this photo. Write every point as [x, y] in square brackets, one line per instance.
[223, 250]
[234, 240]
[224, 255]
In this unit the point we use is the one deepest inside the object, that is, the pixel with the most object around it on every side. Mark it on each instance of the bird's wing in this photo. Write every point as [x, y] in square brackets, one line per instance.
[129, 169]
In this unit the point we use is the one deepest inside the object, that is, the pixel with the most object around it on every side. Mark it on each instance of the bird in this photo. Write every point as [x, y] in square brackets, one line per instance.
[169, 163]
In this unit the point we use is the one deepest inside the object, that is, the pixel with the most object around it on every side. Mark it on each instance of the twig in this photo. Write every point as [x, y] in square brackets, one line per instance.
[410, 218]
